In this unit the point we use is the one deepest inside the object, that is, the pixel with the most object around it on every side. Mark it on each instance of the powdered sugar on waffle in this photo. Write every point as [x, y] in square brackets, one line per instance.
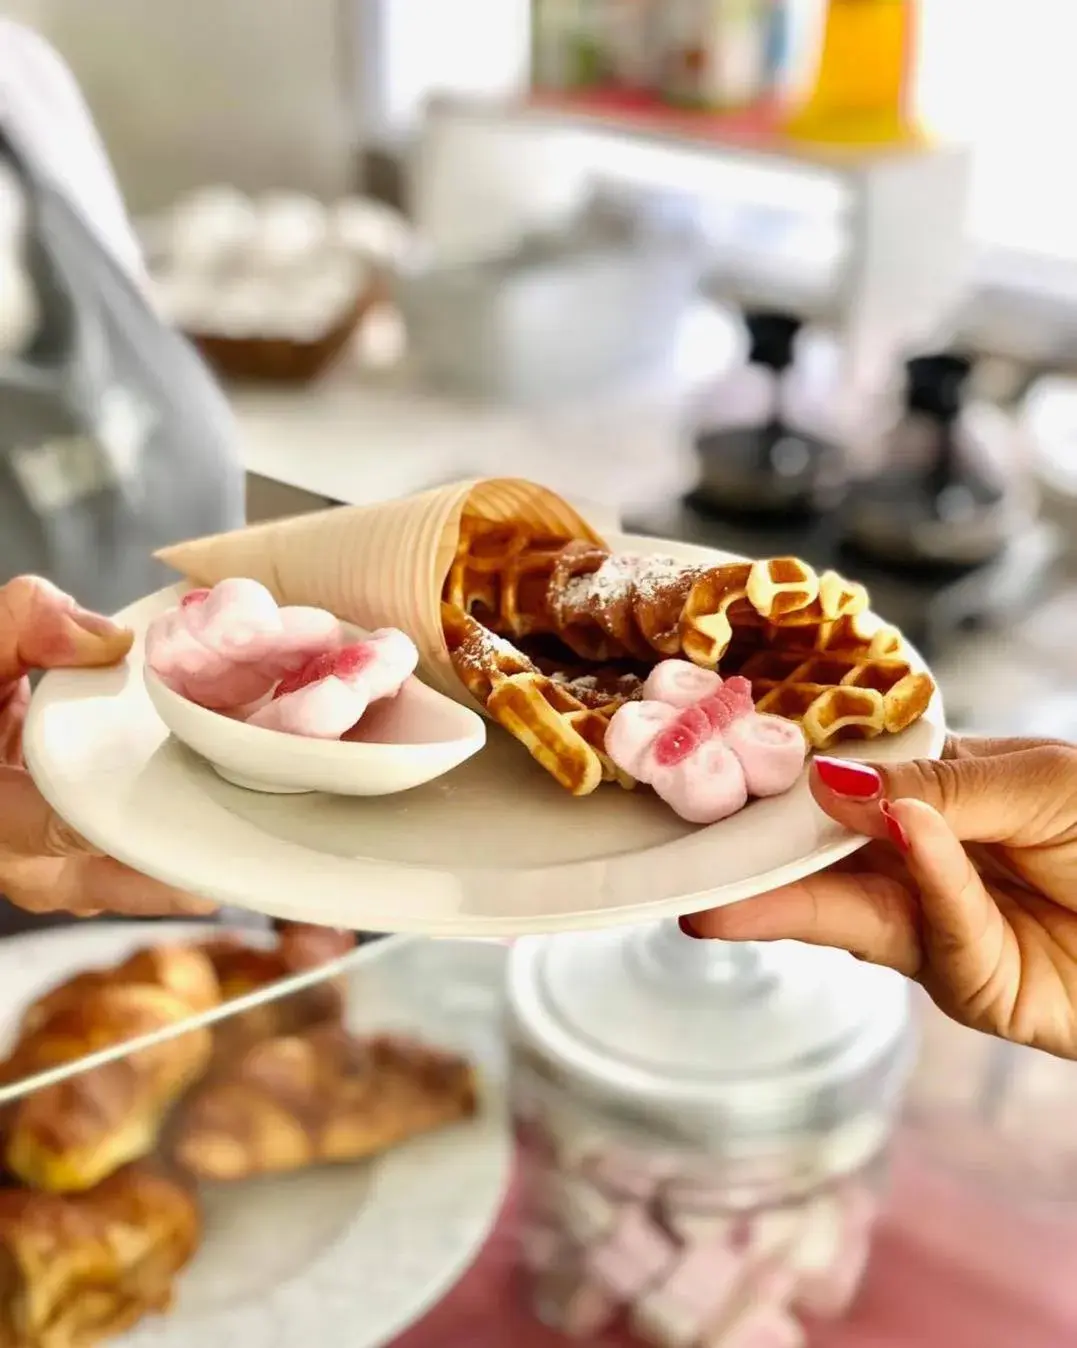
[489, 644]
[621, 577]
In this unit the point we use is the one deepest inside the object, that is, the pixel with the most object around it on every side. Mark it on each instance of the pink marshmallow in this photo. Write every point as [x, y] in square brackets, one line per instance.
[327, 697]
[770, 750]
[578, 1208]
[238, 619]
[577, 1308]
[629, 1173]
[225, 648]
[304, 633]
[709, 785]
[395, 660]
[679, 683]
[632, 731]
[761, 1327]
[324, 711]
[636, 1257]
[704, 757]
[831, 1254]
[701, 1287]
[209, 648]
[542, 1249]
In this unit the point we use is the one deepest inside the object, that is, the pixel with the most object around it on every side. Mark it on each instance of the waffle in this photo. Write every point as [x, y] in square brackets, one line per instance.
[860, 636]
[805, 641]
[834, 695]
[542, 711]
[606, 606]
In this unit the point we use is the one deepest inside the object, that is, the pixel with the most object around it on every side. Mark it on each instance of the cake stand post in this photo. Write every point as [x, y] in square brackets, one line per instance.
[732, 970]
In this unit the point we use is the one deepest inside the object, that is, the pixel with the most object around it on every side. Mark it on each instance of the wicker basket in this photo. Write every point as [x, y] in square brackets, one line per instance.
[282, 360]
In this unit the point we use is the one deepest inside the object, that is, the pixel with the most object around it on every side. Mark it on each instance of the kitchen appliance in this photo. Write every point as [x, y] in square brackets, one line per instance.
[948, 495]
[931, 606]
[564, 313]
[761, 434]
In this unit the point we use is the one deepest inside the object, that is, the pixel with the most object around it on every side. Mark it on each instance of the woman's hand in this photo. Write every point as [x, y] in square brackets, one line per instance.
[44, 865]
[969, 885]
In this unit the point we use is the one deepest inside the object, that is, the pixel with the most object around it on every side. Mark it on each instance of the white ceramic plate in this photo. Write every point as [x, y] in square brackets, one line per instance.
[495, 848]
[402, 742]
[343, 1254]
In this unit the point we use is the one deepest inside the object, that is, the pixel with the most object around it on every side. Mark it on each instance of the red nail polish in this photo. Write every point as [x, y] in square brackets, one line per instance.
[855, 781]
[685, 924]
[894, 828]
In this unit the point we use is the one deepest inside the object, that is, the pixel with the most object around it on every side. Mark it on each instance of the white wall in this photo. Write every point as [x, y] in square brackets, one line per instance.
[479, 47]
[187, 92]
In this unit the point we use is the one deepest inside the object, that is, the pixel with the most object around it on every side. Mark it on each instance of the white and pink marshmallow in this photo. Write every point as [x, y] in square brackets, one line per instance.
[228, 647]
[698, 741]
[330, 695]
[232, 649]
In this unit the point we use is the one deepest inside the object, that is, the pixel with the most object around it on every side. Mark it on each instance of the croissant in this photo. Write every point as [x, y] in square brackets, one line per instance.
[77, 1269]
[319, 1097]
[180, 969]
[240, 969]
[70, 1136]
[305, 946]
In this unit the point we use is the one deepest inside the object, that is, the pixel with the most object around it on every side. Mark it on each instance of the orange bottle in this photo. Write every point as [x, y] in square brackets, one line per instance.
[863, 85]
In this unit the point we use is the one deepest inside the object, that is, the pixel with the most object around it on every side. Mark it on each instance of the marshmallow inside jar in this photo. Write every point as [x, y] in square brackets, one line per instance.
[289, 700]
[703, 1132]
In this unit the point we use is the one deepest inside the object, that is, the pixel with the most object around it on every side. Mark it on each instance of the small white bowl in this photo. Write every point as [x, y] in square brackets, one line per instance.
[401, 742]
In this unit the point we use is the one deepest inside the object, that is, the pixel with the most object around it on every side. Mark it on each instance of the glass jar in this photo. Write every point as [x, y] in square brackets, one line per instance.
[703, 1131]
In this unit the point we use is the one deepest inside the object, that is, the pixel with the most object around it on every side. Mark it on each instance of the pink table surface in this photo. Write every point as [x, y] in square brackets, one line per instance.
[952, 1269]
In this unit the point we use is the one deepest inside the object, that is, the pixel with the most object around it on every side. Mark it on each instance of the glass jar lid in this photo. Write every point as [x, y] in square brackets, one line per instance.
[713, 1039]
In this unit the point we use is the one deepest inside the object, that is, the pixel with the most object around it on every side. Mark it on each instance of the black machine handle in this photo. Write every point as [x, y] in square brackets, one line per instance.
[772, 339]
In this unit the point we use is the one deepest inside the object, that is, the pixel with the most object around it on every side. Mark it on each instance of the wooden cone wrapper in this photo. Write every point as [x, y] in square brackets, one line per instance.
[380, 565]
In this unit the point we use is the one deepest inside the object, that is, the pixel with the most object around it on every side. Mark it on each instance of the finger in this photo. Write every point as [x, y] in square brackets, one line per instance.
[976, 795]
[102, 882]
[871, 916]
[29, 827]
[963, 931]
[43, 628]
[971, 746]
[14, 703]
[89, 886]
[880, 858]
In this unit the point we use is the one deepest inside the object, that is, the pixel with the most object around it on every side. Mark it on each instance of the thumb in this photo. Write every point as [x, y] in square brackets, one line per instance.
[43, 628]
[29, 827]
[1010, 798]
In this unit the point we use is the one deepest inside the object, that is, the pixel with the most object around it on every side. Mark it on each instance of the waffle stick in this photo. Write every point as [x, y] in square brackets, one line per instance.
[557, 727]
[838, 695]
[605, 606]
[837, 680]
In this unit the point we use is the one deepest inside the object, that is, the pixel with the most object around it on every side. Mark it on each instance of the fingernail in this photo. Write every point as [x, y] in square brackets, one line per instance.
[685, 924]
[855, 781]
[894, 827]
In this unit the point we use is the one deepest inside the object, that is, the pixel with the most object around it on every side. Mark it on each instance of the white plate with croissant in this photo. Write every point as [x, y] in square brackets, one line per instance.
[650, 707]
[320, 1168]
